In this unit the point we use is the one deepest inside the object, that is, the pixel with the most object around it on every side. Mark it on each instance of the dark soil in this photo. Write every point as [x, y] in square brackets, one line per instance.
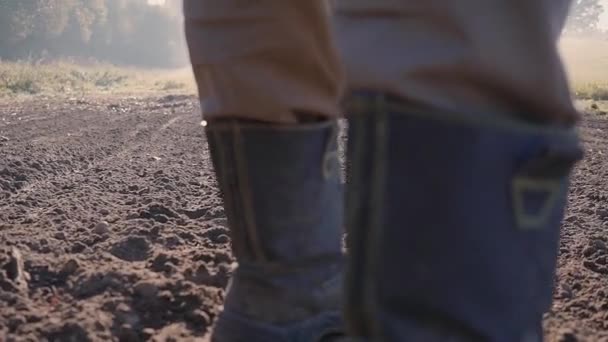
[111, 227]
[580, 310]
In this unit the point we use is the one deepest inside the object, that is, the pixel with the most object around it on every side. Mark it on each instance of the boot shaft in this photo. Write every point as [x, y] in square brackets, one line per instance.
[454, 224]
[281, 189]
[283, 197]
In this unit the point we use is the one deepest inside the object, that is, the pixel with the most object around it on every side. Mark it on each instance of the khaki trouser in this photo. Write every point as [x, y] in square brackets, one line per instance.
[266, 59]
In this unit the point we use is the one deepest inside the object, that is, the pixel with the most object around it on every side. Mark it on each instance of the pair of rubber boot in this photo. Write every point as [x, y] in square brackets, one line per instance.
[452, 221]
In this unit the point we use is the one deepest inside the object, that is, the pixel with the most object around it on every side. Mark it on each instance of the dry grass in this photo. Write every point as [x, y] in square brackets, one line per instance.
[587, 64]
[64, 78]
[586, 61]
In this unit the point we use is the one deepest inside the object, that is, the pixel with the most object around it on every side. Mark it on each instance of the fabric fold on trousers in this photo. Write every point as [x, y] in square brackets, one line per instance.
[488, 57]
[263, 59]
[266, 59]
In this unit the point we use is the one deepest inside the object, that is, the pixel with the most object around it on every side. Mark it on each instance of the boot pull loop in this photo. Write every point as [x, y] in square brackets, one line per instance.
[539, 184]
[524, 189]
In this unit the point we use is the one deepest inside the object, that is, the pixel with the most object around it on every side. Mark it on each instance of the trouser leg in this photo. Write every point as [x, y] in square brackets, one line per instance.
[484, 57]
[263, 60]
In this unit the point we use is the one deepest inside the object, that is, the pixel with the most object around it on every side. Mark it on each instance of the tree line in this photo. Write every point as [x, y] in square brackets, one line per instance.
[584, 18]
[129, 32]
[133, 32]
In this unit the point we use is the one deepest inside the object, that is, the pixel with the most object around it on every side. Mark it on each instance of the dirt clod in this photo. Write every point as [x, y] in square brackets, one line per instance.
[68, 332]
[146, 290]
[134, 248]
[14, 269]
[101, 228]
[70, 267]
[78, 247]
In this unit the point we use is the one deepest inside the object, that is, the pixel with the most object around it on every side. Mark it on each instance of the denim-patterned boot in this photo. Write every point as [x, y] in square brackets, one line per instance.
[454, 223]
[284, 201]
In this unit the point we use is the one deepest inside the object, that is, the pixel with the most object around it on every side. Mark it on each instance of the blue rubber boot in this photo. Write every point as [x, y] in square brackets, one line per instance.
[284, 201]
[453, 222]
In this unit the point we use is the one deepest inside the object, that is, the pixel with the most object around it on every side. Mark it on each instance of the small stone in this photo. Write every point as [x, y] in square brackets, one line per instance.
[199, 318]
[113, 219]
[602, 213]
[122, 308]
[589, 251]
[161, 218]
[101, 228]
[214, 233]
[104, 212]
[146, 290]
[33, 318]
[204, 276]
[132, 216]
[127, 333]
[566, 291]
[148, 332]
[173, 241]
[70, 267]
[16, 322]
[201, 275]
[60, 236]
[567, 335]
[222, 238]
[99, 326]
[163, 263]
[222, 257]
[155, 231]
[78, 247]
[227, 268]
[133, 248]
[4, 139]
[599, 244]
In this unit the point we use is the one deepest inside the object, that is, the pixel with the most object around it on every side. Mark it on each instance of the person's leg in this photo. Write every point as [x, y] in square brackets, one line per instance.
[269, 83]
[487, 58]
[460, 148]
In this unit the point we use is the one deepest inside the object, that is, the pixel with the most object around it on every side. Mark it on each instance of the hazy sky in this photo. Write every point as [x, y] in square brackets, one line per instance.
[604, 18]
